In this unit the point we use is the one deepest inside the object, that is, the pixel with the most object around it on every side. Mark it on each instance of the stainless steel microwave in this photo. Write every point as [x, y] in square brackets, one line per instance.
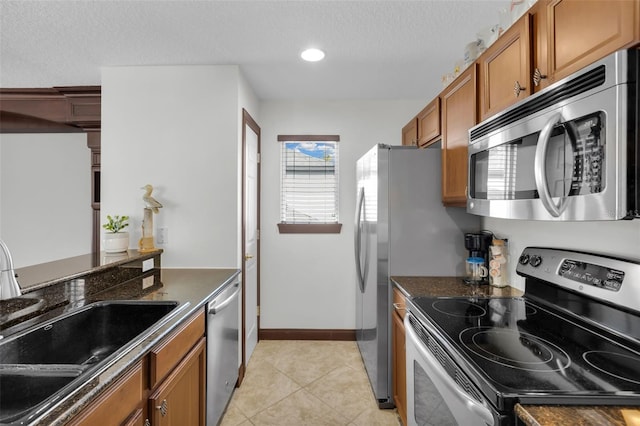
[568, 153]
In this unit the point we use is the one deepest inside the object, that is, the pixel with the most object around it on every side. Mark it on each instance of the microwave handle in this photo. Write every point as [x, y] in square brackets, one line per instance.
[540, 166]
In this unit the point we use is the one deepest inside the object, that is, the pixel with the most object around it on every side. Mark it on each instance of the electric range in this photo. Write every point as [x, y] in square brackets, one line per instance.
[573, 338]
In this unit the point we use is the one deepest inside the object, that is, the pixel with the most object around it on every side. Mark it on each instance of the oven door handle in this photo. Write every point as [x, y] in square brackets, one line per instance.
[472, 405]
[540, 168]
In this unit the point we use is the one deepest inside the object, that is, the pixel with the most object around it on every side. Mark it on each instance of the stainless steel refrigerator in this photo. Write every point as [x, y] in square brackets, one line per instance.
[401, 228]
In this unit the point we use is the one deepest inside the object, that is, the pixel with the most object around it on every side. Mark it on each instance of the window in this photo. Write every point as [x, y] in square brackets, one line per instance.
[309, 184]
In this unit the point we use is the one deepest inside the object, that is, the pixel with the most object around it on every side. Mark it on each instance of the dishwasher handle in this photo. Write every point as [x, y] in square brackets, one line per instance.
[220, 306]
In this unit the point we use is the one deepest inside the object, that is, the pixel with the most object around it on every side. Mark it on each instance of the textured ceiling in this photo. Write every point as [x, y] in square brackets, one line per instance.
[375, 49]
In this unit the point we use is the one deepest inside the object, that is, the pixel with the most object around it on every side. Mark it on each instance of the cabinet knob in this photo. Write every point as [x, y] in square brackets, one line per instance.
[162, 407]
[538, 77]
[517, 88]
[147, 422]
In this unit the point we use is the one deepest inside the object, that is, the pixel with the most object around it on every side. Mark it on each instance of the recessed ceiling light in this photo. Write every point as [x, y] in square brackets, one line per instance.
[312, 55]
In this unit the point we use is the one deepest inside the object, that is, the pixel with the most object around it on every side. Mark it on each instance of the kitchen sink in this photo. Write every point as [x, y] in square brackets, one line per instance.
[45, 359]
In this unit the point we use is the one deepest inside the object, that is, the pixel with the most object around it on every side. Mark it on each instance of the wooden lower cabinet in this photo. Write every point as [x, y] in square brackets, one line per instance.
[166, 387]
[180, 399]
[399, 356]
[118, 403]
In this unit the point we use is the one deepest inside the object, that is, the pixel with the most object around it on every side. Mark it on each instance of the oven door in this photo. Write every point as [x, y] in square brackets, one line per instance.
[433, 396]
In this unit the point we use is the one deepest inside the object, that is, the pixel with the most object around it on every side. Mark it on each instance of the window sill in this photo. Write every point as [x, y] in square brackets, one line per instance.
[309, 228]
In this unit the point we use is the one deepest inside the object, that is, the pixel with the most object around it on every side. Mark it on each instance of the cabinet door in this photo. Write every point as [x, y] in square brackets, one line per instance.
[399, 367]
[180, 399]
[429, 123]
[582, 32]
[410, 133]
[459, 114]
[505, 69]
[117, 403]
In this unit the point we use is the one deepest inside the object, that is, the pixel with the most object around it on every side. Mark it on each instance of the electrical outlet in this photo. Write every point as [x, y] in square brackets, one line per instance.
[163, 235]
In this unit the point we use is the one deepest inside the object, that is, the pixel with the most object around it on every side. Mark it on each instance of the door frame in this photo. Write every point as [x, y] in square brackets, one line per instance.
[248, 121]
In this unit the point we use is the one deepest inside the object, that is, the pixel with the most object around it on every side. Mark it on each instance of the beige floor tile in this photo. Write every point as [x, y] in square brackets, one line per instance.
[233, 416]
[306, 383]
[346, 390]
[300, 408]
[262, 387]
[376, 417]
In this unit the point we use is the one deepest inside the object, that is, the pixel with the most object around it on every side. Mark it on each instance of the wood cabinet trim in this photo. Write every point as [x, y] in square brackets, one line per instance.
[429, 123]
[168, 353]
[197, 354]
[118, 402]
[449, 195]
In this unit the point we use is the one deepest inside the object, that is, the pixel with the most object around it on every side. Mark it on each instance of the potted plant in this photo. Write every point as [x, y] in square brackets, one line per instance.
[115, 239]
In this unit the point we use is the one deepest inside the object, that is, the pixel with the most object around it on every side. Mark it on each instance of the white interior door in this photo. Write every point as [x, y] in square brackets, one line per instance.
[251, 237]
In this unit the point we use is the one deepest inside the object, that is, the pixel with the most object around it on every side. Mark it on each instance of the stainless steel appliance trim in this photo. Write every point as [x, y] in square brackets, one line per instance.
[358, 236]
[552, 259]
[610, 204]
[459, 401]
[215, 307]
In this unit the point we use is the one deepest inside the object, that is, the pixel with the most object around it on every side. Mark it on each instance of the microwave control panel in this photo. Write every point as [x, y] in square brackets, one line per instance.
[588, 156]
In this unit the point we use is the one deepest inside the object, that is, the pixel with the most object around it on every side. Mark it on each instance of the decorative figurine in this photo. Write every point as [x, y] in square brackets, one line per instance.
[151, 206]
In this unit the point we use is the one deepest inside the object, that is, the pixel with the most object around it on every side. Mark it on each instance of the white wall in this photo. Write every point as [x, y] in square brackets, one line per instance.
[45, 196]
[617, 238]
[308, 281]
[175, 127]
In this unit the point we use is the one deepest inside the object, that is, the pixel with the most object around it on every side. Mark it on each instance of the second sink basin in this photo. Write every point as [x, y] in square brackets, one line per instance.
[40, 361]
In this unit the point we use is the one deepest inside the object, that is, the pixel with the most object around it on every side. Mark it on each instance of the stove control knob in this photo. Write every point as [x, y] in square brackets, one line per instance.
[524, 259]
[535, 261]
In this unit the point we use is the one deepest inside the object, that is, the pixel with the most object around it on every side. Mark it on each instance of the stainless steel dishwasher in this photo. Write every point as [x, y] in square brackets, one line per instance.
[222, 350]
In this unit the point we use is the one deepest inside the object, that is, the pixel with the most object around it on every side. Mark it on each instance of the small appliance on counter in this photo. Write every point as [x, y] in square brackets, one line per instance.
[477, 263]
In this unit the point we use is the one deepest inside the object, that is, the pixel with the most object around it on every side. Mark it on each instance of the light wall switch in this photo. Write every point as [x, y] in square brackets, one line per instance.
[163, 235]
[147, 282]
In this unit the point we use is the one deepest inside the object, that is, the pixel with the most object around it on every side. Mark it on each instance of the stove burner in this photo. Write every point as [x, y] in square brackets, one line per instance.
[614, 364]
[515, 349]
[459, 308]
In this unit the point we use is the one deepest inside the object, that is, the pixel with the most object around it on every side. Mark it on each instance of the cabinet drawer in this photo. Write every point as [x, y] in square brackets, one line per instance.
[180, 399]
[166, 355]
[399, 302]
[117, 402]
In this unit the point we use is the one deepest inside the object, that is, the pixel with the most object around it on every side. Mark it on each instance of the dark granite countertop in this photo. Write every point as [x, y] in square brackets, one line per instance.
[35, 277]
[545, 415]
[449, 287]
[531, 415]
[191, 288]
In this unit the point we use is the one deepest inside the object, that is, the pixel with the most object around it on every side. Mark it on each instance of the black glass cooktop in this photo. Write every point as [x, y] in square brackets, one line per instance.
[517, 348]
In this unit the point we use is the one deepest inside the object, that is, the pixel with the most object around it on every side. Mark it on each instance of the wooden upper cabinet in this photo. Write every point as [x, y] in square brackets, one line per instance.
[581, 32]
[505, 70]
[459, 114]
[410, 133]
[429, 123]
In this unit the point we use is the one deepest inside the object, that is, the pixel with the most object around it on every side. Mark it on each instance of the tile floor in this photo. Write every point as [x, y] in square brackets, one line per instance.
[306, 383]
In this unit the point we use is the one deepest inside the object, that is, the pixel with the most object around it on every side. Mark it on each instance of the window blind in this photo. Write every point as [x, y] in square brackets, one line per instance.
[309, 181]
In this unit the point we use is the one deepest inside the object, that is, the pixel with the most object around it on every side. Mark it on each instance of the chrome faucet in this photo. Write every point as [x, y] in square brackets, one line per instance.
[9, 286]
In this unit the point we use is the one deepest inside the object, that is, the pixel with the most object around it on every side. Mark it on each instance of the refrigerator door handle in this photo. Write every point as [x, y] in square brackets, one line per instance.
[358, 238]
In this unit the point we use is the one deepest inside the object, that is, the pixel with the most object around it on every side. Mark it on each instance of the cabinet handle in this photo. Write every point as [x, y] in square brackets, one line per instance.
[399, 307]
[147, 422]
[517, 88]
[162, 407]
[537, 77]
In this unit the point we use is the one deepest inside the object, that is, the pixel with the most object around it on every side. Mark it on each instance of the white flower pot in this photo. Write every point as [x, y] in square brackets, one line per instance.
[115, 242]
